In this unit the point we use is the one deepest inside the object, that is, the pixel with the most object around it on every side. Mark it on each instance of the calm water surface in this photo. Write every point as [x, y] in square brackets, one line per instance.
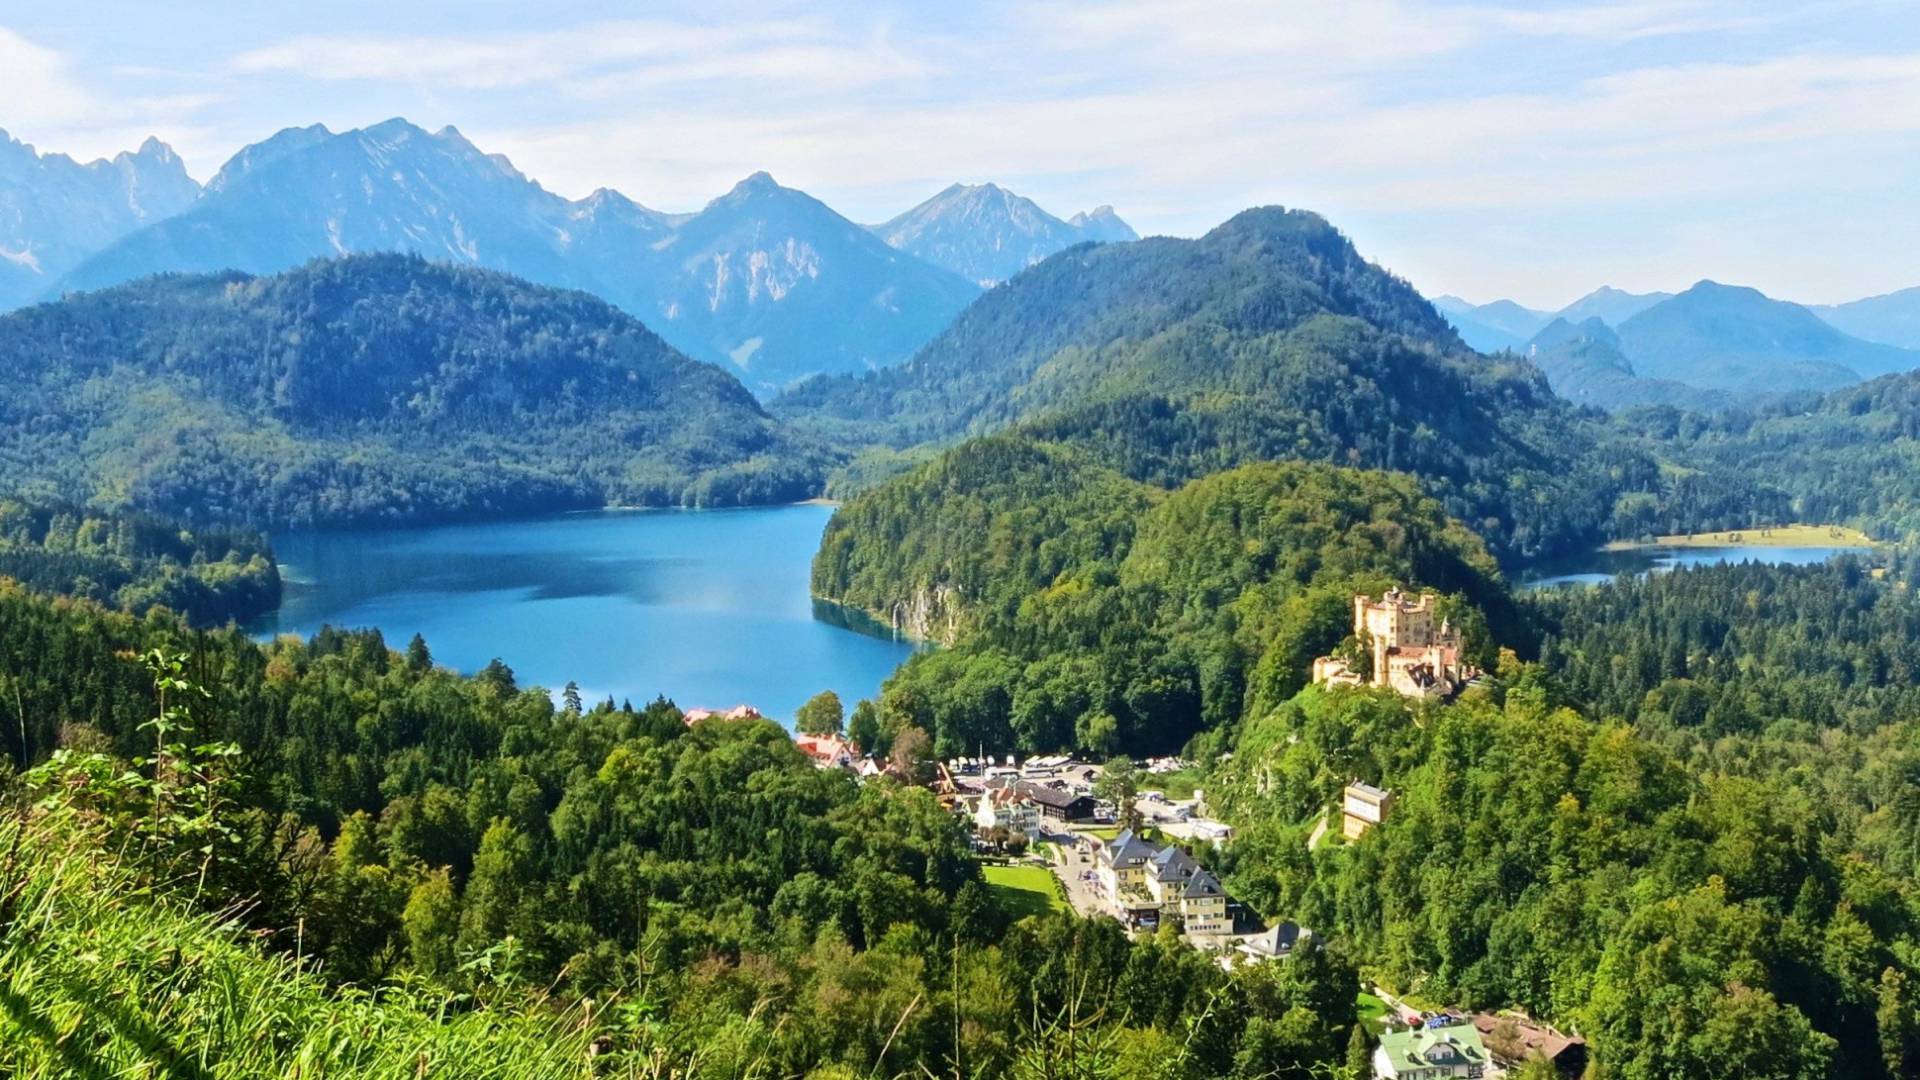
[709, 607]
[1597, 567]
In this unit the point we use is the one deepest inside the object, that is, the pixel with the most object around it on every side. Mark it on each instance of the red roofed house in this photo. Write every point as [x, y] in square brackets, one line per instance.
[827, 751]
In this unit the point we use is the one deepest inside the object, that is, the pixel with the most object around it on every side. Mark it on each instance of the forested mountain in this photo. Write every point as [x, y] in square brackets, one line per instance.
[1893, 319]
[987, 234]
[133, 563]
[1724, 337]
[373, 388]
[1493, 327]
[55, 211]
[765, 278]
[1084, 610]
[1270, 337]
[1719, 910]
[1852, 456]
[1584, 364]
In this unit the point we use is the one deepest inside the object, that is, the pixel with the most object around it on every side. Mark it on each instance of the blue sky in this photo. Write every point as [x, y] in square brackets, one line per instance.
[1488, 149]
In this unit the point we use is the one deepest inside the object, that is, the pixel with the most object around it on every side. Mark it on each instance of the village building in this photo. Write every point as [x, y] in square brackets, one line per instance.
[1362, 806]
[1145, 883]
[1514, 1040]
[1058, 804]
[1409, 653]
[1430, 1053]
[1276, 942]
[827, 751]
[1007, 808]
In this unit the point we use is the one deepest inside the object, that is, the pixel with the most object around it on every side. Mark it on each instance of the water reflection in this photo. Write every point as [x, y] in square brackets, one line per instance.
[1599, 567]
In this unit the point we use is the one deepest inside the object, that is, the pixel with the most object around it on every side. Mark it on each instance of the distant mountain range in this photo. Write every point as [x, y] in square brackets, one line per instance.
[1709, 347]
[1585, 364]
[1490, 328]
[55, 211]
[1893, 319]
[1504, 324]
[765, 279]
[1610, 305]
[987, 234]
[1728, 337]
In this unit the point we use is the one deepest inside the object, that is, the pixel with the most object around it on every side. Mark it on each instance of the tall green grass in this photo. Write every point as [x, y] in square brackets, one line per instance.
[103, 976]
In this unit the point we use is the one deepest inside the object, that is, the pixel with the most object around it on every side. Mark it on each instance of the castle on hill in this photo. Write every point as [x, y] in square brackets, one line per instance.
[1410, 654]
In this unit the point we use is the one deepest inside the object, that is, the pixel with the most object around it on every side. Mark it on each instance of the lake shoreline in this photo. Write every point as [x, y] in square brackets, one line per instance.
[709, 609]
[1794, 535]
[1603, 564]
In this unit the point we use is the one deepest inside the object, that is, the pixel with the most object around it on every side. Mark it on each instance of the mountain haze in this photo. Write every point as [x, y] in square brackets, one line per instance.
[1893, 319]
[774, 281]
[987, 234]
[1610, 305]
[1584, 364]
[55, 211]
[1493, 327]
[1733, 338]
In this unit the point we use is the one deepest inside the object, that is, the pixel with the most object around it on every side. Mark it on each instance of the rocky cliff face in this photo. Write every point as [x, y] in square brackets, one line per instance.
[935, 613]
[55, 211]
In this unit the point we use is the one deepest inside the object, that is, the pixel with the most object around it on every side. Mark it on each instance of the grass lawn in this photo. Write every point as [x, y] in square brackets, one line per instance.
[1175, 785]
[1025, 890]
[1102, 832]
[1371, 1011]
[1786, 536]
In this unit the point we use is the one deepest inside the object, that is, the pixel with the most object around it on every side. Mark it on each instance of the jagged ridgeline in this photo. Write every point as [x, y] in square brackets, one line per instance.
[371, 388]
[135, 563]
[1086, 609]
[1270, 337]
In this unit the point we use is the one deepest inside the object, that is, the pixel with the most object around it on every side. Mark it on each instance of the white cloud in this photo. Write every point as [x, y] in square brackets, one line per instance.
[1179, 114]
[596, 61]
[45, 100]
[39, 89]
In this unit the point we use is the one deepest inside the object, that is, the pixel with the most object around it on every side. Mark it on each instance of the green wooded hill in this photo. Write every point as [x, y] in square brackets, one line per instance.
[1270, 337]
[1851, 456]
[398, 870]
[371, 388]
[134, 563]
[1083, 609]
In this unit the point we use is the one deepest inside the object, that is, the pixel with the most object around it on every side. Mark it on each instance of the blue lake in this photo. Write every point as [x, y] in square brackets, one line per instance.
[710, 608]
[1597, 567]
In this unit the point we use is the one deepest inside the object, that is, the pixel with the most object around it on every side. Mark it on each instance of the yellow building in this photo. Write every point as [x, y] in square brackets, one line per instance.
[1410, 653]
[1362, 806]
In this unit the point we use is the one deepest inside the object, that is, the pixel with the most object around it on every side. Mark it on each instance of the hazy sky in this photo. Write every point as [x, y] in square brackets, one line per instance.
[1488, 149]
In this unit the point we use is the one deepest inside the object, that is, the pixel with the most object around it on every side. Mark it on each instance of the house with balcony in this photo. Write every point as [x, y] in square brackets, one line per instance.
[1146, 882]
[1007, 808]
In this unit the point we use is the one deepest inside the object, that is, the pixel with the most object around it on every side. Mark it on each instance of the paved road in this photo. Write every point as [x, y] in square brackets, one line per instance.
[1086, 894]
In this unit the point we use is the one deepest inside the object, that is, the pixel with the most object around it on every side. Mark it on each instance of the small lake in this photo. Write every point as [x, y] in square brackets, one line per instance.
[1598, 567]
[709, 607]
